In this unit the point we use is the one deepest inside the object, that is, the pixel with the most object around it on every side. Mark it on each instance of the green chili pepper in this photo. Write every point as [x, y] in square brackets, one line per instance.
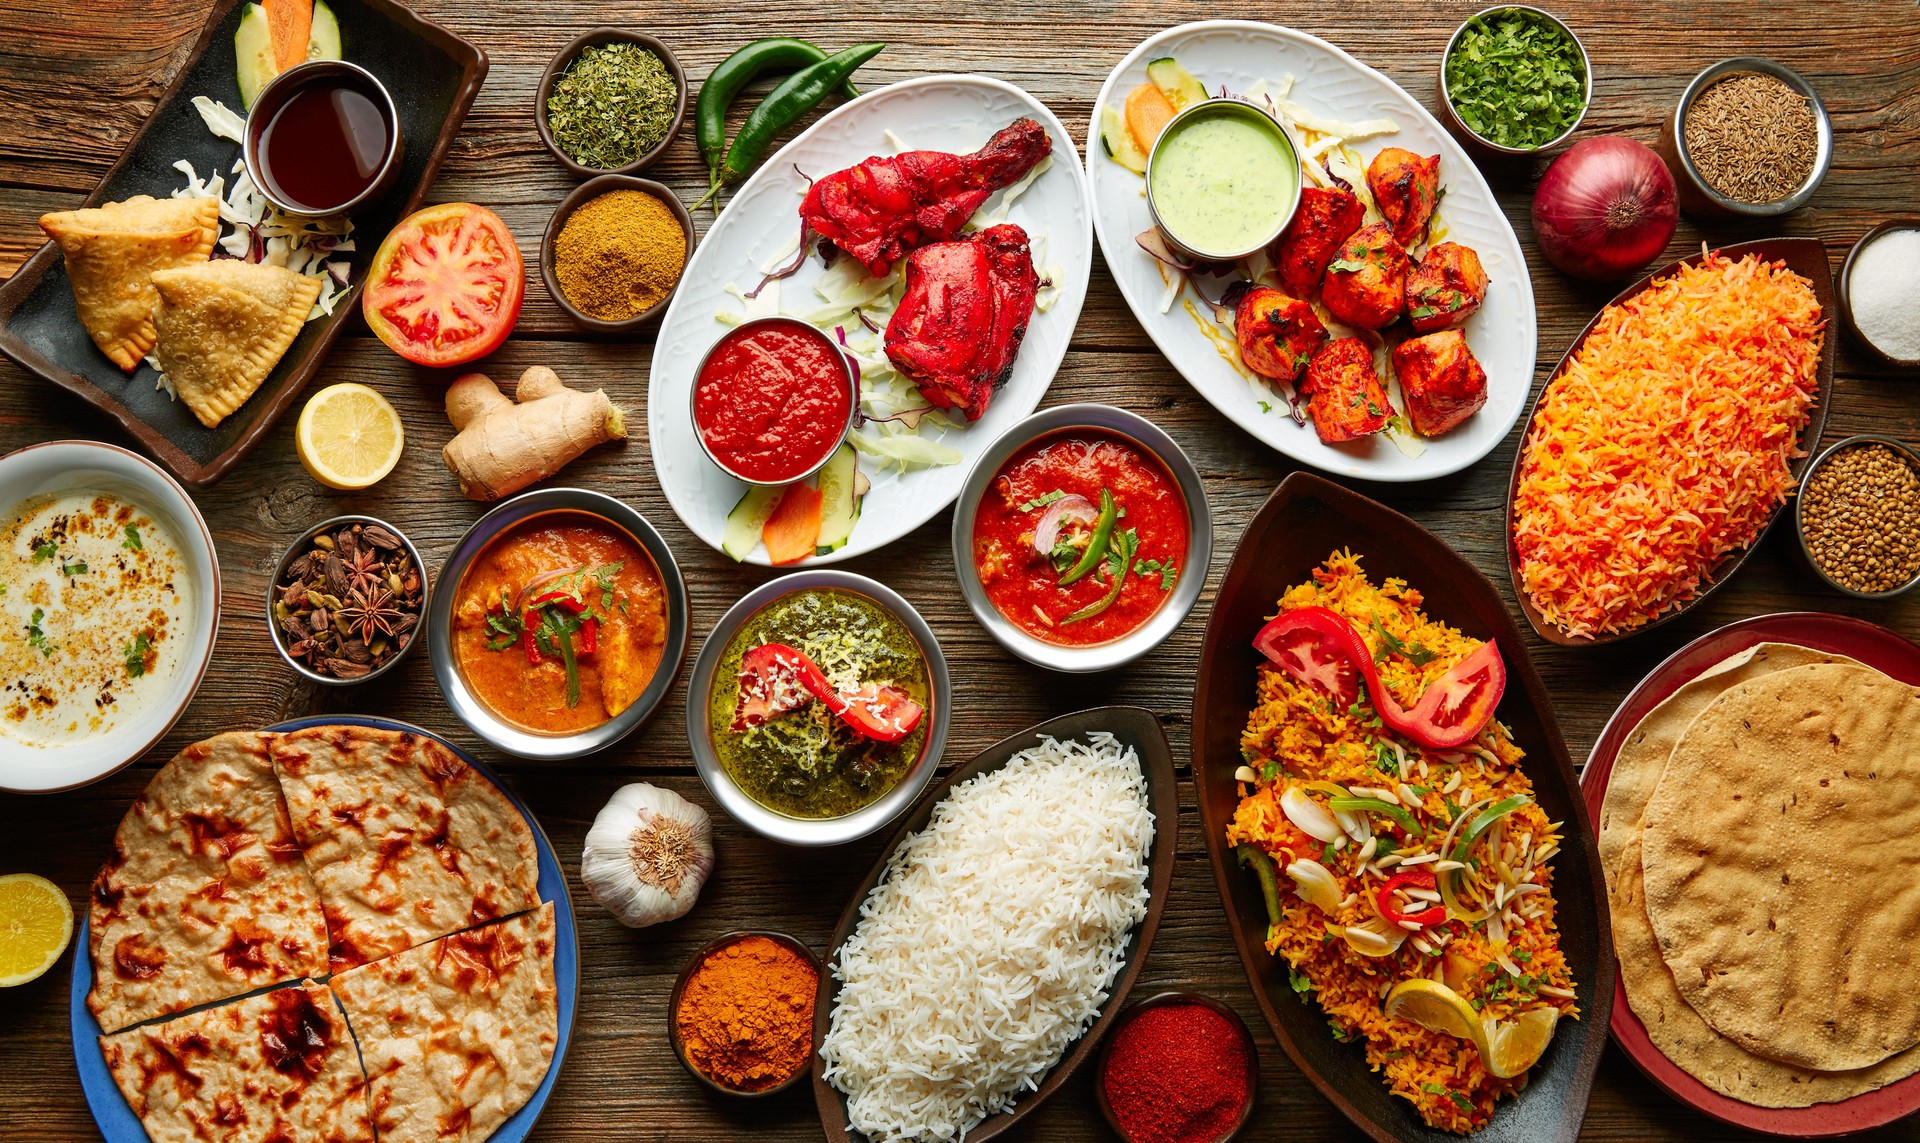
[1379, 806]
[1482, 823]
[723, 86]
[1097, 546]
[796, 95]
[1256, 859]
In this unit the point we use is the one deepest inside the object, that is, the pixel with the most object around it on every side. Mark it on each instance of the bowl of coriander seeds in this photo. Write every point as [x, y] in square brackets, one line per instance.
[1858, 516]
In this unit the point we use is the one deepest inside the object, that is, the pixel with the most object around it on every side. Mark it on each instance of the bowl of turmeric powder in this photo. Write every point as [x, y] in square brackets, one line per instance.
[741, 1016]
[614, 252]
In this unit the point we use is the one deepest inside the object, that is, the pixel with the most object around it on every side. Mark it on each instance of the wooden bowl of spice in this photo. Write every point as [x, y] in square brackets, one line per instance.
[1879, 292]
[1858, 516]
[1749, 139]
[610, 102]
[345, 602]
[1177, 1067]
[741, 1016]
[614, 252]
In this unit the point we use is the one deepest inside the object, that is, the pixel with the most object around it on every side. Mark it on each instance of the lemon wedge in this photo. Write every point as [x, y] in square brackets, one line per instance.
[36, 922]
[349, 437]
[1507, 1047]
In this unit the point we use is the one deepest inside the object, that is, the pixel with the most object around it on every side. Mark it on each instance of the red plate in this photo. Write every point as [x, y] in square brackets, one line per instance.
[1857, 639]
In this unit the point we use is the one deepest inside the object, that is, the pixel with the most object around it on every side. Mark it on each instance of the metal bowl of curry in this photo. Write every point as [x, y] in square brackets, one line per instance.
[559, 623]
[817, 708]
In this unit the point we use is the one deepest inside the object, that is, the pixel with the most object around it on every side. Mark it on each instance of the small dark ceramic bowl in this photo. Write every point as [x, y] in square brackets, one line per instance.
[680, 988]
[1844, 288]
[584, 193]
[566, 56]
[1800, 502]
[1162, 1000]
[282, 88]
[1472, 139]
[299, 545]
[1699, 199]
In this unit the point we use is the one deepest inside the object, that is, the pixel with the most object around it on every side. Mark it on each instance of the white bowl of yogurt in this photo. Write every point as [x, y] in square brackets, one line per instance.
[109, 606]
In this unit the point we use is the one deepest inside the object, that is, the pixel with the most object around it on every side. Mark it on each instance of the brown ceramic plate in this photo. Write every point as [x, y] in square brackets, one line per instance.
[1303, 522]
[433, 76]
[1132, 726]
[1804, 256]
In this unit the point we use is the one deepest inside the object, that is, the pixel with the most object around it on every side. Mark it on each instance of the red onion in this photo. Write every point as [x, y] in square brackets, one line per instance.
[1071, 507]
[1605, 208]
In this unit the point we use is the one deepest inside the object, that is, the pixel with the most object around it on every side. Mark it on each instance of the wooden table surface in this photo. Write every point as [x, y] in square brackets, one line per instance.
[77, 80]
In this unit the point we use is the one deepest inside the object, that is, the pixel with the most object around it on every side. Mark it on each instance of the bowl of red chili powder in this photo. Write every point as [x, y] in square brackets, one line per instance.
[1178, 1067]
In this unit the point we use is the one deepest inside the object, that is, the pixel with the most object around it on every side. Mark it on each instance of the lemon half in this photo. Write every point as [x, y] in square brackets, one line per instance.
[1507, 1047]
[349, 437]
[36, 922]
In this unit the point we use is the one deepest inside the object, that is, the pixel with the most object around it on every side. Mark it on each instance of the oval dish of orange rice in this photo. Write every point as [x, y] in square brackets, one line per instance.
[1664, 444]
[1413, 887]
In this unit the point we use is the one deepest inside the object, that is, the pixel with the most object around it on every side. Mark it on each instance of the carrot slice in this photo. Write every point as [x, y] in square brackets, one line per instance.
[794, 528]
[290, 24]
[1147, 114]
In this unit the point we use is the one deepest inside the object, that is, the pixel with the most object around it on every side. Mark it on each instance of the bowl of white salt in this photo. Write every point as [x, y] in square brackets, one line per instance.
[1879, 292]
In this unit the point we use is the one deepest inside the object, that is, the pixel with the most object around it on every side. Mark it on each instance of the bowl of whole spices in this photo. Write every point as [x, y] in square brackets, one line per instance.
[1749, 138]
[346, 600]
[742, 1013]
[1858, 515]
[1514, 80]
[611, 101]
[1879, 290]
[1178, 1067]
[614, 251]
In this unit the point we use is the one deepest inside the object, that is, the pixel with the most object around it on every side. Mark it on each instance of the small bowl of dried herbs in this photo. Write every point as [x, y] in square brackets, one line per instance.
[610, 102]
[346, 600]
[1514, 80]
[1749, 139]
[1858, 515]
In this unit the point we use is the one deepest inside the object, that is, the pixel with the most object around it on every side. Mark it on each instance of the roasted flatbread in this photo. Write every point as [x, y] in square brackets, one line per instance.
[457, 1034]
[112, 252]
[274, 1068]
[406, 842]
[223, 326]
[206, 896]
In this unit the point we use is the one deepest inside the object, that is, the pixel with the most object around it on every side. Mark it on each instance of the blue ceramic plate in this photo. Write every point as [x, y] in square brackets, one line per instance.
[117, 1122]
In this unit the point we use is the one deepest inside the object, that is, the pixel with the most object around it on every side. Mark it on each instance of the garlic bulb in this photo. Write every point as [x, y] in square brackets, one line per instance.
[647, 855]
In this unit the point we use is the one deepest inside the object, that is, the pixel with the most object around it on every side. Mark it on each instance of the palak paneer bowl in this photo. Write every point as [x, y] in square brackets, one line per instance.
[559, 624]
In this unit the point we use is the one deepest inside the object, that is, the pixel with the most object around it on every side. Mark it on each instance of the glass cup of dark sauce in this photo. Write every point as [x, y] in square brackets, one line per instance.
[323, 139]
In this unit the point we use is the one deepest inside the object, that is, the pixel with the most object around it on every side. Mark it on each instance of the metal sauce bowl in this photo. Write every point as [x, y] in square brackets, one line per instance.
[846, 371]
[282, 88]
[1473, 139]
[1696, 196]
[1226, 105]
[299, 545]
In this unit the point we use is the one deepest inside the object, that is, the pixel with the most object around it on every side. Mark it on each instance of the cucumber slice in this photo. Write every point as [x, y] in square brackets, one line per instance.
[840, 500]
[1119, 143]
[323, 41]
[747, 518]
[1175, 82]
[253, 53]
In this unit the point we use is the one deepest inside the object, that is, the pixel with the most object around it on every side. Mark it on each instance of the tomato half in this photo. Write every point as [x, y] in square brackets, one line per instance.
[1316, 646]
[445, 286]
[1458, 704]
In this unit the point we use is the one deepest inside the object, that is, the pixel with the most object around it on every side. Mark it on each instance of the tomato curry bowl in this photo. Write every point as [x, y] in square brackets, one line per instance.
[772, 400]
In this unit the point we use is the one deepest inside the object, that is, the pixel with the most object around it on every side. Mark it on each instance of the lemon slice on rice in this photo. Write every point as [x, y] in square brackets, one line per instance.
[1507, 1047]
[348, 437]
[1435, 1007]
[36, 922]
[1510, 1047]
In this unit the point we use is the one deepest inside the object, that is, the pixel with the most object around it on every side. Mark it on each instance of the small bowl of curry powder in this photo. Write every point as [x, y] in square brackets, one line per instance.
[615, 250]
[741, 1016]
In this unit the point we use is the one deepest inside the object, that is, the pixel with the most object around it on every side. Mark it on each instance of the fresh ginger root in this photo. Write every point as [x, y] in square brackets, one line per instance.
[502, 446]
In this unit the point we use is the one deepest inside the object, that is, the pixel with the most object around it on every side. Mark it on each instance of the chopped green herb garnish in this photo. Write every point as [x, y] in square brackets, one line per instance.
[45, 551]
[1165, 570]
[132, 542]
[137, 655]
[36, 638]
[1414, 653]
[1043, 500]
[1299, 981]
[73, 569]
[1516, 78]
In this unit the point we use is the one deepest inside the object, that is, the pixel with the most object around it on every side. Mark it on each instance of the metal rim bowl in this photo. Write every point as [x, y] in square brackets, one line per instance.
[1912, 458]
[1843, 288]
[873, 816]
[846, 371]
[470, 708]
[275, 95]
[564, 58]
[298, 545]
[1451, 116]
[1224, 105]
[1162, 1000]
[1193, 572]
[584, 193]
[680, 988]
[1700, 198]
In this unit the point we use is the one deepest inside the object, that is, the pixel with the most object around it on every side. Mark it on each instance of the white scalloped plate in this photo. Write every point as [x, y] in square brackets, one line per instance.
[941, 112]
[1328, 80]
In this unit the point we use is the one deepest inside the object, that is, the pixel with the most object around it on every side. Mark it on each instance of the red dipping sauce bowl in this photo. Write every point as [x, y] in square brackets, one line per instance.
[323, 139]
[772, 400]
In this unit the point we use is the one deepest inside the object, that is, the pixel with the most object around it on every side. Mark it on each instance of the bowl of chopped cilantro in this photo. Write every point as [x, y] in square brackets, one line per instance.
[610, 102]
[1514, 80]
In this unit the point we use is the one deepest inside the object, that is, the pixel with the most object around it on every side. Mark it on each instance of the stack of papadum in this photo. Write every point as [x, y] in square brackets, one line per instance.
[1761, 835]
[263, 862]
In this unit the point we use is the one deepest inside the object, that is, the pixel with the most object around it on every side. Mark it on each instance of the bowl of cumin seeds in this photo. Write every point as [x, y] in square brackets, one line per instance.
[1749, 139]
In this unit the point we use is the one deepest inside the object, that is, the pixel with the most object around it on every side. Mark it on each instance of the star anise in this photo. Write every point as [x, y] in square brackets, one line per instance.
[364, 569]
[371, 614]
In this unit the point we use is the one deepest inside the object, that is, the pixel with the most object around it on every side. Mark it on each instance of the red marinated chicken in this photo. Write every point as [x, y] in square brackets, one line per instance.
[1445, 288]
[960, 322]
[1326, 218]
[1442, 383]
[1366, 285]
[1278, 335]
[1347, 400]
[882, 209]
[1406, 187]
